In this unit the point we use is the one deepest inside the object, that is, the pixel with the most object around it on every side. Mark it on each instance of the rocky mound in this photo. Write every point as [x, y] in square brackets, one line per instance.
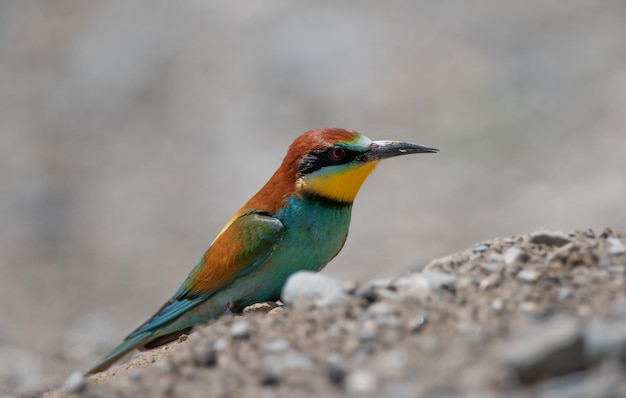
[542, 314]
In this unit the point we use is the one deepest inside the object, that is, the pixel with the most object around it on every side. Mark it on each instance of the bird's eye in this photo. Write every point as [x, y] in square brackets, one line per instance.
[337, 153]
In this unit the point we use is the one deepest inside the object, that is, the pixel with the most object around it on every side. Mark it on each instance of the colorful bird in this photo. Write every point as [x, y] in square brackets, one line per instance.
[298, 221]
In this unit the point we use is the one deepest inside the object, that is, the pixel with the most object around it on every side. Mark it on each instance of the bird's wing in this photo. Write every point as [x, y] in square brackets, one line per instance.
[243, 246]
[246, 243]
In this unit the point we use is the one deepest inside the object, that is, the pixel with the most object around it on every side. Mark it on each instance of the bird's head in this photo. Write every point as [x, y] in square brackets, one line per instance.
[334, 163]
[331, 163]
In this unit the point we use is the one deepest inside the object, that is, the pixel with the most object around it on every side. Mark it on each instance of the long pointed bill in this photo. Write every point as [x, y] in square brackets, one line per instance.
[388, 149]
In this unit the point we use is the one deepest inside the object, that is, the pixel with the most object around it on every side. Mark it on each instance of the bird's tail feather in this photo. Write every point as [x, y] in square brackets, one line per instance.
[120, 351]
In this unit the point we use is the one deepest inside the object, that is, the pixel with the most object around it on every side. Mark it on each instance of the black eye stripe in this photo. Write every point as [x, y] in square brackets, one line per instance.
[316, 160]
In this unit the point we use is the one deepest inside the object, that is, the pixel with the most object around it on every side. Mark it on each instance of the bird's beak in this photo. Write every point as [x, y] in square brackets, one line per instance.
[388, 149]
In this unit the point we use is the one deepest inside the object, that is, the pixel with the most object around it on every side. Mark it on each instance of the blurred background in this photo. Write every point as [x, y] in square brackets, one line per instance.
[130, 132]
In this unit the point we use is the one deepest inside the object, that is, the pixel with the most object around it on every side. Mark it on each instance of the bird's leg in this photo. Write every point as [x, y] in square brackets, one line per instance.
[233, 307]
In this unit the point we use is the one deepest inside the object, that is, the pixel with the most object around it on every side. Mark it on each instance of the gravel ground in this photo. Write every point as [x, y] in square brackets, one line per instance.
[130, 134]
[543, 314]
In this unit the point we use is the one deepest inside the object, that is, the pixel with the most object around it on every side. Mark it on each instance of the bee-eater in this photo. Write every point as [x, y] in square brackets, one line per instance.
[298, 221]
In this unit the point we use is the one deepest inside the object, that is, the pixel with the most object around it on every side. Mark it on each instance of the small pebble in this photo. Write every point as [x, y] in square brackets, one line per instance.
[616, 269]
[496, 257]
[240, 330]
[349, 287]
[550, 238]
[293, 360]
[490, 281]
[75, 383]
[363, 354]
[565, 293]
[463, 282]
[607, 232]
[422, 284]
[528, 275]
[274, 347]
[616, 246]
[528, 306]
[204, 353]
[276, 310]
[497, 304]
[492, 267]
[411, 280]
[368, 332]
[368, 294]
[389, 321]
[269, 373]
[220, 344]
[416, 324]
[379, 283]
[590, 234]
[439, 279]
[260, 308]
[480, 248]
[389, 295]
[361, 382]
[323, 289]
[379, 308]
[336, 370]
[514, 254]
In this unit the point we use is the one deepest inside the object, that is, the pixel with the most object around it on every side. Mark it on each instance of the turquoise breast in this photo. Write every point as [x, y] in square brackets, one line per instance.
[315, 231]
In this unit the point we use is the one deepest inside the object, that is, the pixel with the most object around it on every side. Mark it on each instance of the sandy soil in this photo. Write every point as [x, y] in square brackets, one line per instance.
[543, 314]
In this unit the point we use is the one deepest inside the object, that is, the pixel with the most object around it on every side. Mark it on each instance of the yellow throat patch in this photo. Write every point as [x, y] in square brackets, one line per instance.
[341, 185]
